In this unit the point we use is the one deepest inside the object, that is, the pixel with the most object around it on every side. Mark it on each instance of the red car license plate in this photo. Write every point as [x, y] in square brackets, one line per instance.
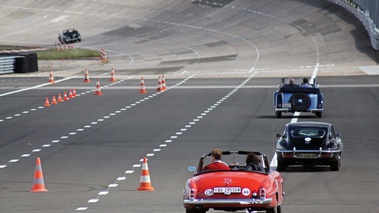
[227, 190]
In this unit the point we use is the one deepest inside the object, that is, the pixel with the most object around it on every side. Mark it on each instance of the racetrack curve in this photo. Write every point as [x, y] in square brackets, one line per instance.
[222, 61]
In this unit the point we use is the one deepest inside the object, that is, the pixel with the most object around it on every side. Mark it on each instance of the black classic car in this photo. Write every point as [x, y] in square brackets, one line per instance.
[309, 144]
[69, 36]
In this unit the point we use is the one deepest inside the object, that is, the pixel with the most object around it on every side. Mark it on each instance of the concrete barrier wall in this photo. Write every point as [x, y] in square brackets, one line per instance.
[372, 6]
[365, 16]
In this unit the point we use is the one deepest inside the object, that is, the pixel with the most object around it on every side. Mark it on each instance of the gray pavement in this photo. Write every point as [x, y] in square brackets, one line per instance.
[91, 146]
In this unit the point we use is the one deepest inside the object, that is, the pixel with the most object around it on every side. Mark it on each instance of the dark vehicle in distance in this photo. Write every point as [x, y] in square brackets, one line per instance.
[69, 36]
[309, 144]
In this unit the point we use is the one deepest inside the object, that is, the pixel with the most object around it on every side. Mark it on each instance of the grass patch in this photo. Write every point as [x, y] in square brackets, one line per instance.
[77, 53]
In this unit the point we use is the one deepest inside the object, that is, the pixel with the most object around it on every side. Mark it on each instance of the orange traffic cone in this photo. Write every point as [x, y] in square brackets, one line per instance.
[103, 56]
[70, 95]
[74, 92]
[51, 78]
[113, 76]
[98, 90]
[47, 103]
[38, 185]
[145, 183]
[60, 98]
[164, 88]
[57, 45]
[143, 89]
[65, 97]
[54, 100]
[86, 76]
[159, 89]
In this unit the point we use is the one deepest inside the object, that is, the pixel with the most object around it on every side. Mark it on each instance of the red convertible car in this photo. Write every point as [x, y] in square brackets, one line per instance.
[232, 190]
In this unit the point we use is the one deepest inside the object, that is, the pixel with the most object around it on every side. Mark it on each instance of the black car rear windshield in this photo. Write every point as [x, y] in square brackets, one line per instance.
[308, 132]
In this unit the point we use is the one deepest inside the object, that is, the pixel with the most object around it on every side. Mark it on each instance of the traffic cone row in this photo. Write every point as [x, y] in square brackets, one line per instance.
[161, 87]
[161, 84]
[164, 87]
[39, 182]
[66, 97]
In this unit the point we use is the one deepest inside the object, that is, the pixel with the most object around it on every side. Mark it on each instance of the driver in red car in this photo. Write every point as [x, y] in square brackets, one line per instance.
[217, 163]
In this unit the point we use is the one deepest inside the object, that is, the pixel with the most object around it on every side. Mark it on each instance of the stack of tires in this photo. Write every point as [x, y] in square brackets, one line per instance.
[24, 62]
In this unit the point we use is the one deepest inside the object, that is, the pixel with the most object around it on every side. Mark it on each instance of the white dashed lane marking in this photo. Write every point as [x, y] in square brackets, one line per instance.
[63, 137]
[168, 141]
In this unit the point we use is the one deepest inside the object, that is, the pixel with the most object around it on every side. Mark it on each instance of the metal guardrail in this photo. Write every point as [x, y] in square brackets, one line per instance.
[7, 64]
[364, 17]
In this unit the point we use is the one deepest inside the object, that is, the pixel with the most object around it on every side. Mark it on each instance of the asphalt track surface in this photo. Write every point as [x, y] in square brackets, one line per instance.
[222, 62]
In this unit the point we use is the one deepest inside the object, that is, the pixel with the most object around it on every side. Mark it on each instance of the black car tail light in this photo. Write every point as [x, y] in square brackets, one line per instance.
[287, 155]
[327, 155]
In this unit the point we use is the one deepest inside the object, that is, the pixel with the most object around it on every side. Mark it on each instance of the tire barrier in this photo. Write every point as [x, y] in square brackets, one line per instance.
[23, 62]
[7, 64]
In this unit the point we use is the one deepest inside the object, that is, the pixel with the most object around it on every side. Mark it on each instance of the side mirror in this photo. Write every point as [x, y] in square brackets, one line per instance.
[278, 135]
[191, 168]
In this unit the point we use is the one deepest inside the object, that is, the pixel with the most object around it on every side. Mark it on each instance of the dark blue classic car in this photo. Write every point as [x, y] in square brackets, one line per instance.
[69, 36]
[309, 144]
[298, 97]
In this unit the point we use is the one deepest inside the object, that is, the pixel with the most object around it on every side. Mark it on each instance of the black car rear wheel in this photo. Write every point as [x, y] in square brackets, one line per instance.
[300, 102]
[282, 166]
[335, 165]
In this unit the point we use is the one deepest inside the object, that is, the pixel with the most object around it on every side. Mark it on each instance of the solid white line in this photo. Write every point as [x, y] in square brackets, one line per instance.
[30, 88]
[274, 162]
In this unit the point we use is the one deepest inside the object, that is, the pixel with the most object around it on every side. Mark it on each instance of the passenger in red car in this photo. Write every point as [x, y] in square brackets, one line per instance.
[217, 163]
[253, 163]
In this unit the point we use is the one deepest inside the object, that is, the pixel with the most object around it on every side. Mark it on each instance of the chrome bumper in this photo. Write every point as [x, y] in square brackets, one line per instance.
[227, 201]
[318, 153]
[291, 110]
